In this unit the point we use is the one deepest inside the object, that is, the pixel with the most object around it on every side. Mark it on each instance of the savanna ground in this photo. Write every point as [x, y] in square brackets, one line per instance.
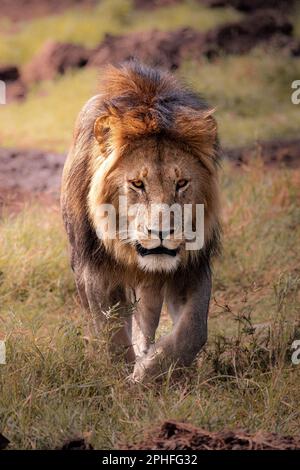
[55, 384]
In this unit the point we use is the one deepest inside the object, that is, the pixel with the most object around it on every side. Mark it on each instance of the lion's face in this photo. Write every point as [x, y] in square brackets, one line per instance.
[155, 180]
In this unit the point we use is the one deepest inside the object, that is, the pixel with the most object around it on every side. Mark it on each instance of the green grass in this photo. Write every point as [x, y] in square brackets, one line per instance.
[54, 386]
[89, 26]
[46, 118]
[251, 93]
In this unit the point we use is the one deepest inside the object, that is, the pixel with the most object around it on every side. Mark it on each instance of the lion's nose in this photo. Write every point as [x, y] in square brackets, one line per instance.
[161, 234]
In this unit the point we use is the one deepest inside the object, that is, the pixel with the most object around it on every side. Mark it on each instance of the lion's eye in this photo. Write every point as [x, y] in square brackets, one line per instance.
[181, 184]
[138, 184]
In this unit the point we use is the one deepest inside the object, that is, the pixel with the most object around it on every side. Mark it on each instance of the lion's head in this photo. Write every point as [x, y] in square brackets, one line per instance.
[155, 154]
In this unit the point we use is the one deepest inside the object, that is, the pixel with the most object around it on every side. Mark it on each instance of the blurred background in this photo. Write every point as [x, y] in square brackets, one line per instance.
[241, 54]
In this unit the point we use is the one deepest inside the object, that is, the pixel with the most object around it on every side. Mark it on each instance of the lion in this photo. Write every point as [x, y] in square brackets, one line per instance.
[149, 139]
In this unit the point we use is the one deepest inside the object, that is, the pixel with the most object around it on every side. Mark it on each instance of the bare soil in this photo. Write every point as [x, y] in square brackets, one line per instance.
[55, 58]
[165, 49]
[28, 176]
[173, 435]
[30, 170]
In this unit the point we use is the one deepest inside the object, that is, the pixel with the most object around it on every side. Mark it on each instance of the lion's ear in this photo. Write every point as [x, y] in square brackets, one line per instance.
[199, 129]
[101, 129]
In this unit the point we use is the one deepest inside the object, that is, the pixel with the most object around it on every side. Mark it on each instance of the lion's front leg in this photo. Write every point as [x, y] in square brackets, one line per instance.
[188, 302]
[102, 300]
[146, 318]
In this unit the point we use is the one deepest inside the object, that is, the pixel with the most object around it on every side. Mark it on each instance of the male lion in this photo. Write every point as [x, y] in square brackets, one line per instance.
[149, 139]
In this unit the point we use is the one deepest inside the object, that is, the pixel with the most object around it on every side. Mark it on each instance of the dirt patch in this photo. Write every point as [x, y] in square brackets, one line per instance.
[169, 49]
[19, 10]
[173, 435]
[30, 170]
[157, 48]
[55, 58]
[29, 176]
[14, 201]
[275, 153]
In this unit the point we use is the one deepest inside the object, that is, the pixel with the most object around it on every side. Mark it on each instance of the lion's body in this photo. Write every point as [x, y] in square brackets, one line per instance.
[138, 138]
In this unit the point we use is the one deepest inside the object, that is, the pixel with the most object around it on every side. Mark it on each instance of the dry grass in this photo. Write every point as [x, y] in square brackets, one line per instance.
[54, 386]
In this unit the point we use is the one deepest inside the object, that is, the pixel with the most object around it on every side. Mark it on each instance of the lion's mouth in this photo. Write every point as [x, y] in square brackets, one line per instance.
[159, 250]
